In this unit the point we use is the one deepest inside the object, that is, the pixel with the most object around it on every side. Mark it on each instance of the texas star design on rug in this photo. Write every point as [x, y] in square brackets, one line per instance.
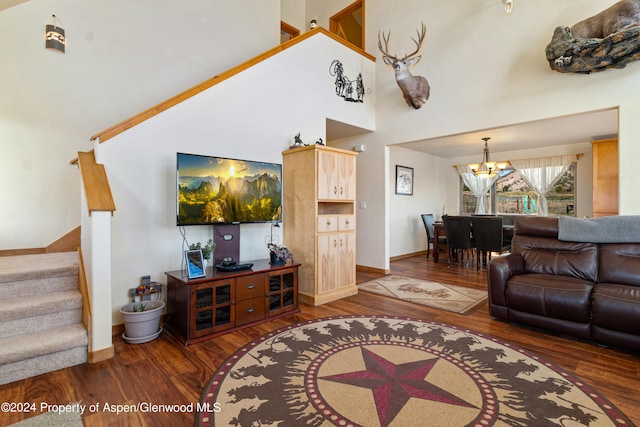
[392, 371]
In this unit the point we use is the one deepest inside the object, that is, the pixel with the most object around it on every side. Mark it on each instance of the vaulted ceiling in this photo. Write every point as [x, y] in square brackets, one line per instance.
[6, 4]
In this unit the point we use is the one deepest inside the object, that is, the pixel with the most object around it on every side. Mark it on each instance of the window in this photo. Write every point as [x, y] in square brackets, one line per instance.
[510, 194]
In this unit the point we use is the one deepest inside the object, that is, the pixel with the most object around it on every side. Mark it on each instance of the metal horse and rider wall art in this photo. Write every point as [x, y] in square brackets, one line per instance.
[349, 90]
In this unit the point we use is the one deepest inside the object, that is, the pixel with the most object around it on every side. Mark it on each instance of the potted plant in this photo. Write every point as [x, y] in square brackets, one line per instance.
[142, 320]
[279, 255]
[207, 249]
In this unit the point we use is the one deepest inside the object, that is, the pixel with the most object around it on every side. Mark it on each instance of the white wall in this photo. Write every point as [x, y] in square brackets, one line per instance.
[293, 13]
[406, 230]
[122, 57]
[322, 10]
[241, 117]
[486, 70]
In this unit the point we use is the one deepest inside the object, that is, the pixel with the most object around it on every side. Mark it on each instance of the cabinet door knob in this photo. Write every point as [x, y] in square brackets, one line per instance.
[341, 190]
[335, 243]
[335, 190]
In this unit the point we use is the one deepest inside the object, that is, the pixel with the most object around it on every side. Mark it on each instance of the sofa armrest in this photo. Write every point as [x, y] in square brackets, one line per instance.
[499, 270]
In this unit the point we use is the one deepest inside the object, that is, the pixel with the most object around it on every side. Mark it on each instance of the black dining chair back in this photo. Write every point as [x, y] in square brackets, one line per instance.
[458, 231]
[429, 222]
[488, 235]
[429, 225]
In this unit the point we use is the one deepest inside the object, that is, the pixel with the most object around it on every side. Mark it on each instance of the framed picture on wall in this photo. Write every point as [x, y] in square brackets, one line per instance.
[404, 180]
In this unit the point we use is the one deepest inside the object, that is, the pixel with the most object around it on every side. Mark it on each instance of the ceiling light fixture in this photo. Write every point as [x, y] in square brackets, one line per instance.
[487, 169]
[508, 6]
[54, 36]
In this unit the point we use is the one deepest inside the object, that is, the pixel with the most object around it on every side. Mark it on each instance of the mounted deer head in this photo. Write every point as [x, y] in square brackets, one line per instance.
[414, 88]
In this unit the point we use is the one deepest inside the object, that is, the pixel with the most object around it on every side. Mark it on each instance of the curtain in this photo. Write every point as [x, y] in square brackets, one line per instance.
[478, 186]
[541, 174]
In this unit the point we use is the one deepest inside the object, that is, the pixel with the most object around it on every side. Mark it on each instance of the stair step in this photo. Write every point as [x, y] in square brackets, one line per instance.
[40, 323]
[39, 304]
[42, 364]
[32, 345]
[26, 275]
[41, 326]
[23, 267]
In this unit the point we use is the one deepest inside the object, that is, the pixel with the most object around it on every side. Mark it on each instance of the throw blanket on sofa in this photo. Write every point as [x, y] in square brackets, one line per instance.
[607, 229]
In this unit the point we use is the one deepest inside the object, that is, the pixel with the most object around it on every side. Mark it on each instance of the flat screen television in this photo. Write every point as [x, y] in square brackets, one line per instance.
[219, 190]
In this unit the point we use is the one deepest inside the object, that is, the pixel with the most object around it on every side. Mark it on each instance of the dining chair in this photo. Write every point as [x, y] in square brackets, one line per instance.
[488, 234]
[458, 231]
[429, 225]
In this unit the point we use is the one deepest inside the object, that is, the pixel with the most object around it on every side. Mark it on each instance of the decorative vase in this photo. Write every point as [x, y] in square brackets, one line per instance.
[274, 259]
[142, 326]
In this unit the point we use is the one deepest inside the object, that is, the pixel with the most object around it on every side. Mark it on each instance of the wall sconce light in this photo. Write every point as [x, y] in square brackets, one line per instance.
[508, 6]
[313, 24]
[54, 36]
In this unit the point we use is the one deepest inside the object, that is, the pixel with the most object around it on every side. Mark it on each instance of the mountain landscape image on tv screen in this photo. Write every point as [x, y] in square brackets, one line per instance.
[219, 190]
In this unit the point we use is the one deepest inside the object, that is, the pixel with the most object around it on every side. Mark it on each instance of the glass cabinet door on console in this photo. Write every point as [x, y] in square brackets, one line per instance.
[213, 311]
[281, 291]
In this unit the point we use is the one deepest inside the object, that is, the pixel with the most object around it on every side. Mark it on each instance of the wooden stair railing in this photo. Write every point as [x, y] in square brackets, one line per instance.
[96, 184]
[86, 303]
[165, 105]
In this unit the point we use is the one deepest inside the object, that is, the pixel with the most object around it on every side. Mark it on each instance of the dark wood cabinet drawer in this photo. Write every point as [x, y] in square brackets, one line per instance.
[250, 310]
[248, 287]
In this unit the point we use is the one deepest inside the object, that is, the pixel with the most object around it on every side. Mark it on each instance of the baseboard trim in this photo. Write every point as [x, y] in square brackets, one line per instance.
[70, 242]
[399, 257]
[366, 269]
[117, 330]
[100, 355]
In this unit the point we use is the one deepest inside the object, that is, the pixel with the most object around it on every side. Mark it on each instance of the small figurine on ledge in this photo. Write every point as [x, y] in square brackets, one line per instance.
[297, 141]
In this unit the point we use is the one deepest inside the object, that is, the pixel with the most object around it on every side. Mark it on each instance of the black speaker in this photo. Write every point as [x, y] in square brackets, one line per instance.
[227, 240]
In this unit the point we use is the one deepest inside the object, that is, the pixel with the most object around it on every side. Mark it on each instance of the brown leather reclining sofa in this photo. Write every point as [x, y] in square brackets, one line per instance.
[588, 290]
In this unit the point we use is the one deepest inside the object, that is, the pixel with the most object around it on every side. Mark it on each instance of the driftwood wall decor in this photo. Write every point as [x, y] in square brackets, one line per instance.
[610, 39]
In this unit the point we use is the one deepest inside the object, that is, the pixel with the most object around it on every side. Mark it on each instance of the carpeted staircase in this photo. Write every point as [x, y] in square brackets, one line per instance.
[41, 326]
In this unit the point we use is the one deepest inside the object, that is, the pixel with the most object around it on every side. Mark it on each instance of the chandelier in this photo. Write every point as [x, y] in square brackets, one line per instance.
[487, 169]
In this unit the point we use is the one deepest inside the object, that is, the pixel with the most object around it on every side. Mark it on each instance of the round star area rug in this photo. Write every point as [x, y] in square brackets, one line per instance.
[390, 371]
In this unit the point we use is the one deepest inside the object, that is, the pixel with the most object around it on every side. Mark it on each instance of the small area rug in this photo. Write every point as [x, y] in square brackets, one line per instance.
[392, 371]
[447, 297]
[52, 419]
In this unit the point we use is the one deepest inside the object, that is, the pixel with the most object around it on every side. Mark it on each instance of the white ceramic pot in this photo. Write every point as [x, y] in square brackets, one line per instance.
[142, 324]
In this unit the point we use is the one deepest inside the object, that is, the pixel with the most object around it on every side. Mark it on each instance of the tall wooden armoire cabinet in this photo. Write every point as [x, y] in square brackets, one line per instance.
[319, 220]
[605, 177]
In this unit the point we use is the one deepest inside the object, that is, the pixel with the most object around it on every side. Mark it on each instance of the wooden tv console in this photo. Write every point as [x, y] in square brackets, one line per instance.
[221, 302]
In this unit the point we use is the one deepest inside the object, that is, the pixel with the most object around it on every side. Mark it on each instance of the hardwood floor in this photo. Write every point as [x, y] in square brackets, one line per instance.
[165, 372]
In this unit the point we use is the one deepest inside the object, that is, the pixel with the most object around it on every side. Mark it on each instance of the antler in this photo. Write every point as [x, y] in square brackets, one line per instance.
[418, 42]
[385, 50]
[386, 45]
